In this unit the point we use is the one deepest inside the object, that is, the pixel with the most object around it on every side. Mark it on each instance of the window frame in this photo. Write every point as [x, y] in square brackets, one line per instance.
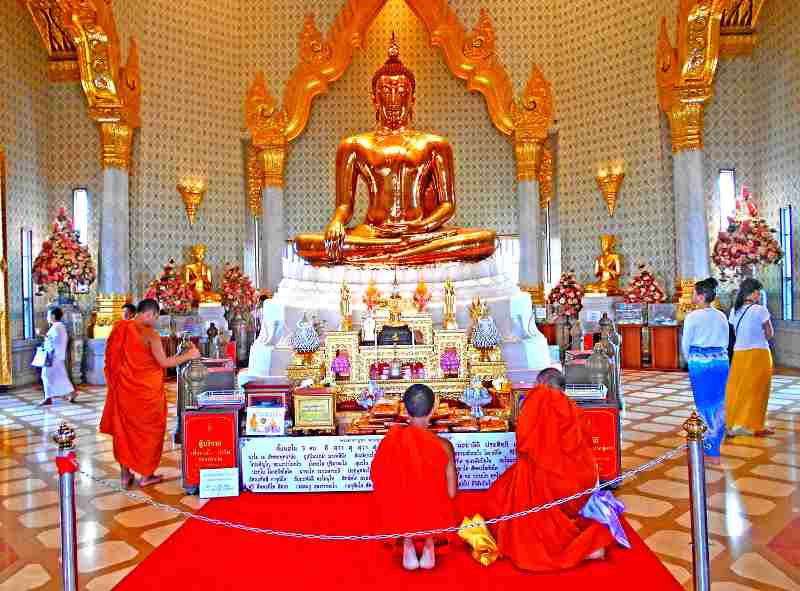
[28, 295]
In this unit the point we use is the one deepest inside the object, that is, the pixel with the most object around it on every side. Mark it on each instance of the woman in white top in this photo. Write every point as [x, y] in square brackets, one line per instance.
[705, 347]
[751, 370]
[54, 378]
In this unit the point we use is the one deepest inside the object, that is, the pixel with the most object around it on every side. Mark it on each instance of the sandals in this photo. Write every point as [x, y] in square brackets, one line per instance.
[151, 480]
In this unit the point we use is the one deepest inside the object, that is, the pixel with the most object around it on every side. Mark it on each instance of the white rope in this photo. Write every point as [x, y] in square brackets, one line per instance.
[384, 537]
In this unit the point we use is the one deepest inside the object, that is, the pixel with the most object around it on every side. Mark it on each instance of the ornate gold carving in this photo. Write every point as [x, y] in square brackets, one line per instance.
[192, 192]
[108, 309]
[112, 90]
[479, 44]
[62, 56]
[254, 181]
[536, 292]
[609, 182]
[532, 117]
[546, 178]
[267, 125]
[5, 328]
[683, 296]
[685, 74]
[313, 48]
[738, 28]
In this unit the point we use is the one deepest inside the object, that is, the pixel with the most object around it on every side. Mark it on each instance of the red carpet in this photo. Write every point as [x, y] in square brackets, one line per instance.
[201, 556]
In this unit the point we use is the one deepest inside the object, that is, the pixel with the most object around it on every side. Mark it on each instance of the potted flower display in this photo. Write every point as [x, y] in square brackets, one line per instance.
[566, 296]
[644, 289]
[174, 297]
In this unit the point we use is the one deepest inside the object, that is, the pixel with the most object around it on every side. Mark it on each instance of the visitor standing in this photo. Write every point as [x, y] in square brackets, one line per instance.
[135, 413]
[751, 369]
[705, 347]
[54, 377]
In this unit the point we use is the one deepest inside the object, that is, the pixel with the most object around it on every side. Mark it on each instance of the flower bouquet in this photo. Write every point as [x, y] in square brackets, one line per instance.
[644, 288]
[171, 293]
[449, 362]
[747, 242]
[238, 293]
[566, 296]
[64, 263]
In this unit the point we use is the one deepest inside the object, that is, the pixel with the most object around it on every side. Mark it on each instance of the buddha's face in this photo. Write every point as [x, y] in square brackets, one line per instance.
[199, 254]
[607, 243]
[394, 101]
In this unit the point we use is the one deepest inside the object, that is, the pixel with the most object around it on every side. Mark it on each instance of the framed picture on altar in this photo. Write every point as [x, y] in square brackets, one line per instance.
[315, 409]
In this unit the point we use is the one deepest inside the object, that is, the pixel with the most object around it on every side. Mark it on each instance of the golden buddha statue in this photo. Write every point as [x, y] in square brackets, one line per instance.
[197, 275]
[408, 175]
[607, 268]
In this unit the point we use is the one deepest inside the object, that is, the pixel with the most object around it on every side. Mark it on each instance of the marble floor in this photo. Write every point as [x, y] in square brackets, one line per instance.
[753, 496]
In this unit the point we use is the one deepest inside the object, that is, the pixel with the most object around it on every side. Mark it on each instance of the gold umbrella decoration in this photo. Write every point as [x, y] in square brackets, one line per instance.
[192, 192]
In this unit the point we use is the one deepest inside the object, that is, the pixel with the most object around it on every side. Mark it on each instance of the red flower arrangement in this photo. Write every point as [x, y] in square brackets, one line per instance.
[566, 295]
[747, 242]
[64, 263]
[172, 294]
[238, 293]
[644, 289]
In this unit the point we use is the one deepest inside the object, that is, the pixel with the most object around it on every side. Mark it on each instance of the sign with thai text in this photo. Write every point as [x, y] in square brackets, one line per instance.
[210, 441]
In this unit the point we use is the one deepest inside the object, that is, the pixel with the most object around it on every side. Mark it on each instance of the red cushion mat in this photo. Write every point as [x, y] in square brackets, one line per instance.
[204, 556]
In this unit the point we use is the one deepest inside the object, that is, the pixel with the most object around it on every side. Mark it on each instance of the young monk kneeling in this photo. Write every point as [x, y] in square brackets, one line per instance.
[413, 467]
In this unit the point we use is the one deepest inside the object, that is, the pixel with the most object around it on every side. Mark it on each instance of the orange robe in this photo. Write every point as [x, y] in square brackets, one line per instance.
[554, 460]
[410, 482]
[135, 414]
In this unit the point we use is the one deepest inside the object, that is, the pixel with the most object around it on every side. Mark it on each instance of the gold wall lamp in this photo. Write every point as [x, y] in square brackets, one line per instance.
[609, 179]
[192, 190]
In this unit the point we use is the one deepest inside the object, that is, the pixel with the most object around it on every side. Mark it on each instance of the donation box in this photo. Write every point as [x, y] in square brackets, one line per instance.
[210, 440]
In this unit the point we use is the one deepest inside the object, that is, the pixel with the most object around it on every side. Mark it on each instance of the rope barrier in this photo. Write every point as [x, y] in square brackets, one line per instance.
[385, 537]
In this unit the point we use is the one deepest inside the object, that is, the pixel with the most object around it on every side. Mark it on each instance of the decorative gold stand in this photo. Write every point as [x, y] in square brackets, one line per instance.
[108, 309]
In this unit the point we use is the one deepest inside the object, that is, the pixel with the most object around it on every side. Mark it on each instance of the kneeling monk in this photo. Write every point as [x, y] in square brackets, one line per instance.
[554, 460]
[135, 414]
[415, 480]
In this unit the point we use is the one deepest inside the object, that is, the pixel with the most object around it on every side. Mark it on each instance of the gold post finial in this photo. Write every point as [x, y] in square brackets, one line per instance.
[394, 48]
[64, 437]
[695, 428]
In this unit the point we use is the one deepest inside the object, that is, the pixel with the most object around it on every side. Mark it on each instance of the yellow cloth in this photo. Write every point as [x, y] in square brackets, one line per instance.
[747, 393]
[484, 548]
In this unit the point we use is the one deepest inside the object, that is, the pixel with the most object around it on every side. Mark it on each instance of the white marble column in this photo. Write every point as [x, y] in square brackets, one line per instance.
[273, 237]
[691, 228]
[115, 265]
[530, 253]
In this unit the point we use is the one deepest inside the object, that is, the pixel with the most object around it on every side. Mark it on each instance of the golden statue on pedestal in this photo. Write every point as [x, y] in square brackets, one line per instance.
[197, 275]
[409, 178]
[607, 268]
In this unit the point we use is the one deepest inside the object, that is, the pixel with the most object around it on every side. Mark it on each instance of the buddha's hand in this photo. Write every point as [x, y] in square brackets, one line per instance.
[334, 241]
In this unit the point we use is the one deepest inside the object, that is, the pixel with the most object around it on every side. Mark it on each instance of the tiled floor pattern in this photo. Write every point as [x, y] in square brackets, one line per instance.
[752, 496]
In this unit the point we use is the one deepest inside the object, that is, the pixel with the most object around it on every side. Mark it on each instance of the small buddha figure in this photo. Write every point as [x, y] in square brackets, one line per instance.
[409, 179]
[197, 275]
[449, 316]
[607, 269]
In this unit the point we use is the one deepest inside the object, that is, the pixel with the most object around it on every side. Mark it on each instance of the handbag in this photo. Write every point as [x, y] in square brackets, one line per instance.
[42, 358]
[732, 332]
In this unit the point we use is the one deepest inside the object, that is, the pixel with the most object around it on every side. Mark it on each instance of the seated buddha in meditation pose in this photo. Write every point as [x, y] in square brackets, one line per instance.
[197, 276]
[607, 268]
[409, 179]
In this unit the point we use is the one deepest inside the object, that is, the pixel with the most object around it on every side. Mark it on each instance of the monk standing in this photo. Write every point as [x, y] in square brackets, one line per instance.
[414, 478]
[554, 460]
[135, 414]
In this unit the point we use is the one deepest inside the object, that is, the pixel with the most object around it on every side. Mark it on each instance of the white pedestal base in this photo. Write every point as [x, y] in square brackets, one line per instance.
[96, 362]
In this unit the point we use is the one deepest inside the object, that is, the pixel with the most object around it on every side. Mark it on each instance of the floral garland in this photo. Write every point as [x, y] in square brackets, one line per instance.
[644, 289]
[171, 293]
[64, 263]
[747, 242]
[566, 295]
[238, 293]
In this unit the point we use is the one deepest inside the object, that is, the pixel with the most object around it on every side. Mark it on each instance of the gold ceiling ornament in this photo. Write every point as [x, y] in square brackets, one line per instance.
[254, 181]
[267, 125]
[62, 56]
[609, 182]
[546, 178]
[112, 90]
[192, 191]
[5, 302]
[685, 73]
[738, 28]
[532, 116]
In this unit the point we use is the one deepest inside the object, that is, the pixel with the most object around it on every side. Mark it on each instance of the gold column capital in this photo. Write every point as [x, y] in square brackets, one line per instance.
[687, 125]
[528, 152]
[532, 116]
[116, 140]
[267, 126]
[536, 292]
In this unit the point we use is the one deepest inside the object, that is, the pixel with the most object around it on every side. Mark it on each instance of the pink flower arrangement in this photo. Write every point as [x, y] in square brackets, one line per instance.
[171, 293]
[747, 242]
[238, 293]
[566, 295]
[449, 362]
[64, 263]
[644, 289]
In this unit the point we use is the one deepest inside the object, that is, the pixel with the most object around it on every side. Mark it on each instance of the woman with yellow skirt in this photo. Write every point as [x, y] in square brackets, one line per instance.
[747, 393]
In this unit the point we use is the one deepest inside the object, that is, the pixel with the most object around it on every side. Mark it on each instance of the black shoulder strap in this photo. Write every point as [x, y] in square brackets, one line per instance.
[742, 317]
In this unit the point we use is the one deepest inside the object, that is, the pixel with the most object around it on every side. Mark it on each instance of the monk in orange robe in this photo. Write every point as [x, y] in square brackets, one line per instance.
[554, 460]
[135, 413]
[414, 478]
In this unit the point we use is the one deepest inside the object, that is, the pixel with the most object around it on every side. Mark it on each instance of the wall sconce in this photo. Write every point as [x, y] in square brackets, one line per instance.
[609, 182]
[192, 191]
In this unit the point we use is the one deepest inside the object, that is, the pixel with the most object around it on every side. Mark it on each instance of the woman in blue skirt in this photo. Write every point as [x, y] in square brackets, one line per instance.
[705, 346]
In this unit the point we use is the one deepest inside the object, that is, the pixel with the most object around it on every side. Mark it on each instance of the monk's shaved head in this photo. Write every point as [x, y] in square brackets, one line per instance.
[419, 400]
[552, 377]
[148, 305]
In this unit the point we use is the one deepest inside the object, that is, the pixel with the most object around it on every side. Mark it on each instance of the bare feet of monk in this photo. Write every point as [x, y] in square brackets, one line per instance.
[125, 477]
[150, 480]
[410, 560]
[428, 560]
[598, 554]
[74, 397]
